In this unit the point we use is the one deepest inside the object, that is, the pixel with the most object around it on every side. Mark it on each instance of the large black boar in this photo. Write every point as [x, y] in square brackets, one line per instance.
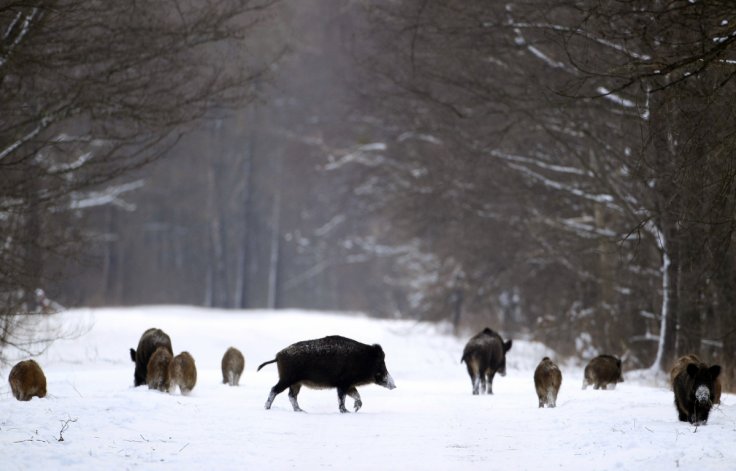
[485, 355]
[547, 381]
[27, 380]
[182, 373]
[149, 342]
[602, 371]
[233, 364]
[157, 370]
[682, 362]
[694, 387]
[330, 362]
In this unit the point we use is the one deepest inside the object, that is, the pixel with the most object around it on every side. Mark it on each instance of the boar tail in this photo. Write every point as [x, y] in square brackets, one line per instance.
[267, 363]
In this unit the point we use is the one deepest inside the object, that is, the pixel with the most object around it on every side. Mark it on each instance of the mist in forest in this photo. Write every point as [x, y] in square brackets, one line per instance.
[555, 170]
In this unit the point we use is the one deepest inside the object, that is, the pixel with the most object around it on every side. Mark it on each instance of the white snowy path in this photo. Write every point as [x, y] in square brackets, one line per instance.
[430, 422]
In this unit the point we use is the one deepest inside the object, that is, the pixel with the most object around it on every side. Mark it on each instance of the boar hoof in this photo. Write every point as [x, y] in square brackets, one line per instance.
[358, 405]
[343, 409]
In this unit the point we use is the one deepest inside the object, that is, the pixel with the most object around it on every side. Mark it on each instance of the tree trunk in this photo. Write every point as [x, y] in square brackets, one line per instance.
[273, 260]
[113, 260]
[31, 240]
[668, 316]
[242, 283]
[725, 281]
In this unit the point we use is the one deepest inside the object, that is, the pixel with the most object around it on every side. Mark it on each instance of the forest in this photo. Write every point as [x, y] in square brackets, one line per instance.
[557, 170]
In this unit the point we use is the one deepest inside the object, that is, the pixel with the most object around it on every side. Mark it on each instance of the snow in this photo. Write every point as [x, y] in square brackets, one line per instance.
[110, 195]
[429, 422]
[361, 156]
[618, 99]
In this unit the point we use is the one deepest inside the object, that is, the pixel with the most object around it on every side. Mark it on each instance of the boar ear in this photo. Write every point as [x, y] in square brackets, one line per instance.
[132, 354]
[379, 350]
[714, 371]
[692, 369]
[507, 345]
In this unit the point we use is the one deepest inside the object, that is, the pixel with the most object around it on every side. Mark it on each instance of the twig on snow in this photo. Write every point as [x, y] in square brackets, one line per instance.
[64, 428]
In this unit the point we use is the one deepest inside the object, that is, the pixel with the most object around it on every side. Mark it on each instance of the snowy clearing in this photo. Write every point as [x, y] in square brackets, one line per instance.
[431, 421]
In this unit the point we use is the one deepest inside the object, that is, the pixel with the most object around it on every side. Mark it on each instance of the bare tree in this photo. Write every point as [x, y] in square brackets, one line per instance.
[92, 90]
[593, 116]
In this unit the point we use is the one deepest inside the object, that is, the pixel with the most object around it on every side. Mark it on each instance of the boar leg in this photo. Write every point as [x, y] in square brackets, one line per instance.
[341, 399]
[489, 384]
[474, 374]
[476, 385]
[293, 393]
[278, 389]
[352, 392]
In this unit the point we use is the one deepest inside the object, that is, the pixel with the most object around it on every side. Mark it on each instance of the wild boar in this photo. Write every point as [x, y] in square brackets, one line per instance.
[27, 380]
[330, 362]
[233, 364]
[484, 356]
[547, 381]
[157, 371]
[682, 362]
[602, 371]
[694, 388]
[149, 342]
[182, 373]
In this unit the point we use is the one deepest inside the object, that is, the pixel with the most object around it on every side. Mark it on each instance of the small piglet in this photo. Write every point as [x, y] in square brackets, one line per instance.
[602, 371]
[157, 370]
[233, 364]
[547, 381]
[183, 373]
[27, 380]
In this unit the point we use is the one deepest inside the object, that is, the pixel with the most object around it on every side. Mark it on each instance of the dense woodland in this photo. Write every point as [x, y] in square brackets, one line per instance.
[558, 169]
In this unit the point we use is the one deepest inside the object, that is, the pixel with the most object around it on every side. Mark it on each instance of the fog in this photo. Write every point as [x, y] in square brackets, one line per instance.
[558, 171]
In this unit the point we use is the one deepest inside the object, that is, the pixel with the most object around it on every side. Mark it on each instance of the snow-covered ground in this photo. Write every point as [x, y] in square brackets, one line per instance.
[429, 422]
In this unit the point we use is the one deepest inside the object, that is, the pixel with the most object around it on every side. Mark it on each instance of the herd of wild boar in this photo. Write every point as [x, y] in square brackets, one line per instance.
[344, 364]
[696, 385]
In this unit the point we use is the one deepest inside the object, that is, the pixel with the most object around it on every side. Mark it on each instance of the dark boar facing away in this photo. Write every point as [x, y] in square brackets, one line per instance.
[233, 364]
[27, 380]
[157, 371]
[330, 362]
[182, 373]
[694, 387]
[602, 371]
[547, 381]
[149, 342]
[682, 362]
[485, 355]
